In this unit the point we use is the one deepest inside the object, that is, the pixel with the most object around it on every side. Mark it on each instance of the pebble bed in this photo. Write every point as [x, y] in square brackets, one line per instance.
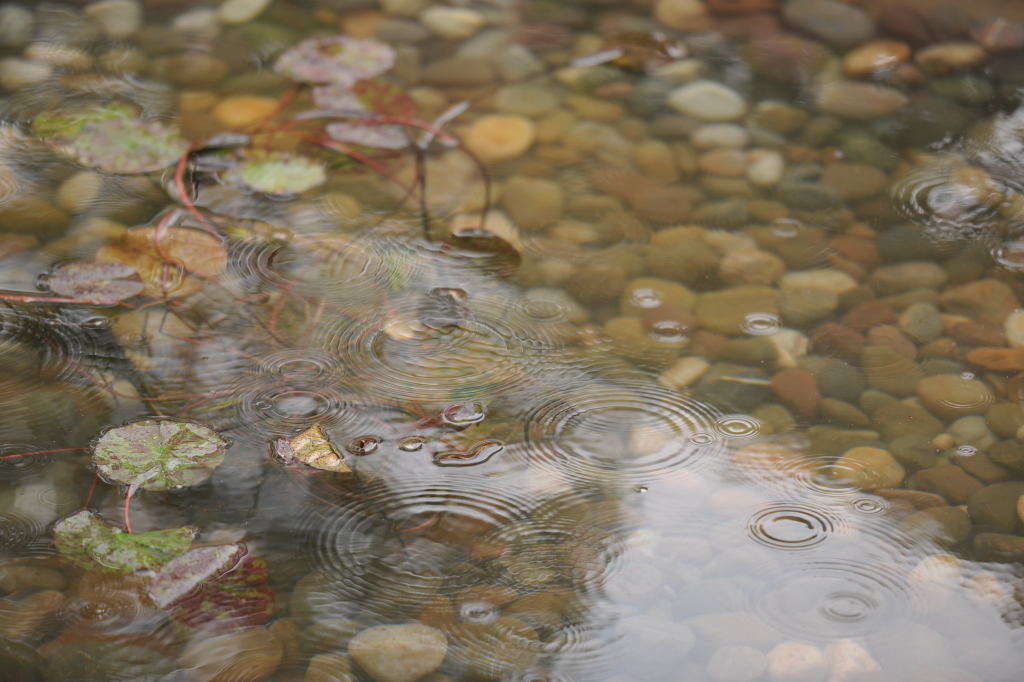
[756, 384]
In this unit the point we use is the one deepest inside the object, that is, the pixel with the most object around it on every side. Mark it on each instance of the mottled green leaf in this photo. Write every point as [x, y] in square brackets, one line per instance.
[277, 174]
[87, 541]
[67, 124]
[159, 454]
[126, 146]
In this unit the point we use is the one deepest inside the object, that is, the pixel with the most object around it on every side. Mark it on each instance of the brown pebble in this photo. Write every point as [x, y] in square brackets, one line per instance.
[998, 34]
[948, 480]
[707, 344]
[798, 390]
[914, 499]
[742, 6]
[838, 341]
[894, 339]
[979, 333]
[856, 249]
[999, 359]
[869, 314]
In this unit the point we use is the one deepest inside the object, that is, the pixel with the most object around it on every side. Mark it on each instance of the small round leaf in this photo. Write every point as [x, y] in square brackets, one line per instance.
[126, 146]
[159, 454]
[277, 174]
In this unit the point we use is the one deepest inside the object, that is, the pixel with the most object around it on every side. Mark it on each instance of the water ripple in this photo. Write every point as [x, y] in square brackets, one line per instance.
[638, 431]
[792, 525]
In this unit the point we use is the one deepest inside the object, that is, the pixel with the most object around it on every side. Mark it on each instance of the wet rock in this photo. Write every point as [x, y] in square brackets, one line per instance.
[803, 306]
[859, 101]
[868, 468]
[853, 181]
[240, 11]
[194, 70]
[750, 266]
[499, 137]
[798, 390]
[728, 311]
[786, 57]
[824, 280]
[1005, 419]
[708, 101]
[21, 620]
[999, 359]
[532, 203]
[999, 547]
[399, 653]
[948, 526]
[795, 661]
[453, 23]
[734, 387]
[26, 577]
[16, 73]
[947, 57]
[904, 418]
[720, 136]
[689, 263]
[117, 19]
[736, 663]
[329, 668]
[459, 72]
[837, 340]
[16, 24]
[664, 205]
[877, 55]
[849, 660]
[682, 15]
[766, 168]
[840, 25]
[994, 507]
[997, 34]
[841, 413]
[684, 372]
[807, 196]
[913, 451]
[1013, 327]
[921, 322]
[950, 395]
[948, 480]
[987, 299]
[630, 338]
[650, 293]
[889, 371]
[246, 655]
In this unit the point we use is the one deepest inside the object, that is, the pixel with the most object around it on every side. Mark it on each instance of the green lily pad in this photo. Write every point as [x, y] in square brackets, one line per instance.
[159, 454]
[126, 146]
[277, 174]
[66, 124]
[96, 281]
[87, 541]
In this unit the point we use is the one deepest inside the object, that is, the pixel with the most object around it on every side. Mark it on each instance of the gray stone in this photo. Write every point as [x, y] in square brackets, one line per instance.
[836, 23]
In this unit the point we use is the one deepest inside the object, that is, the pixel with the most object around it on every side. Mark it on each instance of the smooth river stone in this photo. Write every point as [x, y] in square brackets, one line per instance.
[399, 653]
[837, 23]
[868, 468]
[859, 101]
[729, 311]
[950, 396]
[708, 101]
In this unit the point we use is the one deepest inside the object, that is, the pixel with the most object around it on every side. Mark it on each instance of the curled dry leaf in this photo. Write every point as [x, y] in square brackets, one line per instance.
[172, 265]
[95, 281]
[89, 542]
[159, 454]
[312, 448]
[335, 59]
[126, 146]
[277, 174]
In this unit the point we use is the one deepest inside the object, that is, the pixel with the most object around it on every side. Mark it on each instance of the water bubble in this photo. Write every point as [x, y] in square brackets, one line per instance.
[967, 376]
[738, 426]
[641, 489]
[702, 438]
[869, 505]
[479, 612]
[761, 324]
[412, 443]
[786, 228]
[462, 415]
[643, 297]
[364, 445]
[669, 331]
[967, 451]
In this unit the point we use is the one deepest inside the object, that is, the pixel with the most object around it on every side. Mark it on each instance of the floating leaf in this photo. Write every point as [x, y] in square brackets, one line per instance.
[126, 146]
[337, 59]
[87, 541]
[216, 588]
[95, 281]
[311, 447]
[67, 124]
[159, 454]
[183, 575]
[277, 174]
[369, 134]
[172, 266]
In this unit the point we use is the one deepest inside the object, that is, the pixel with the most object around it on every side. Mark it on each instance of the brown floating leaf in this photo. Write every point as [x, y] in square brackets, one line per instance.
[312, 448]
[172, 265]
[96, 281]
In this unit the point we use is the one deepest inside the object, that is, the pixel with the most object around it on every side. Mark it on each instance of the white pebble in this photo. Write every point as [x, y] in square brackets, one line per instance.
[713, 135]
[240, 11]
[848, 660]
[17, 73]
[765, 168]
[736, 663]
[684, 372]
[708, 101]
[796, 662]
[454, 23]
[201, 22]
[1014, 328]
[16, 24]
[826, 279]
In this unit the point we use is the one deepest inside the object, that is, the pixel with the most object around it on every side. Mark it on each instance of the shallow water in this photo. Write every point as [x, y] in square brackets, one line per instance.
[649, 344]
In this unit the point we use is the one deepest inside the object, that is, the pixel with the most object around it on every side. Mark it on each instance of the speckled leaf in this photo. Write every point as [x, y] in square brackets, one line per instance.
[159, 454]
[87, 541]
[233, 593]
[369, 134]
[157, 256]
[67, 124]
[336, 59]
[277, 174]
[126, 146]
[95, 281]
[183, 575]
